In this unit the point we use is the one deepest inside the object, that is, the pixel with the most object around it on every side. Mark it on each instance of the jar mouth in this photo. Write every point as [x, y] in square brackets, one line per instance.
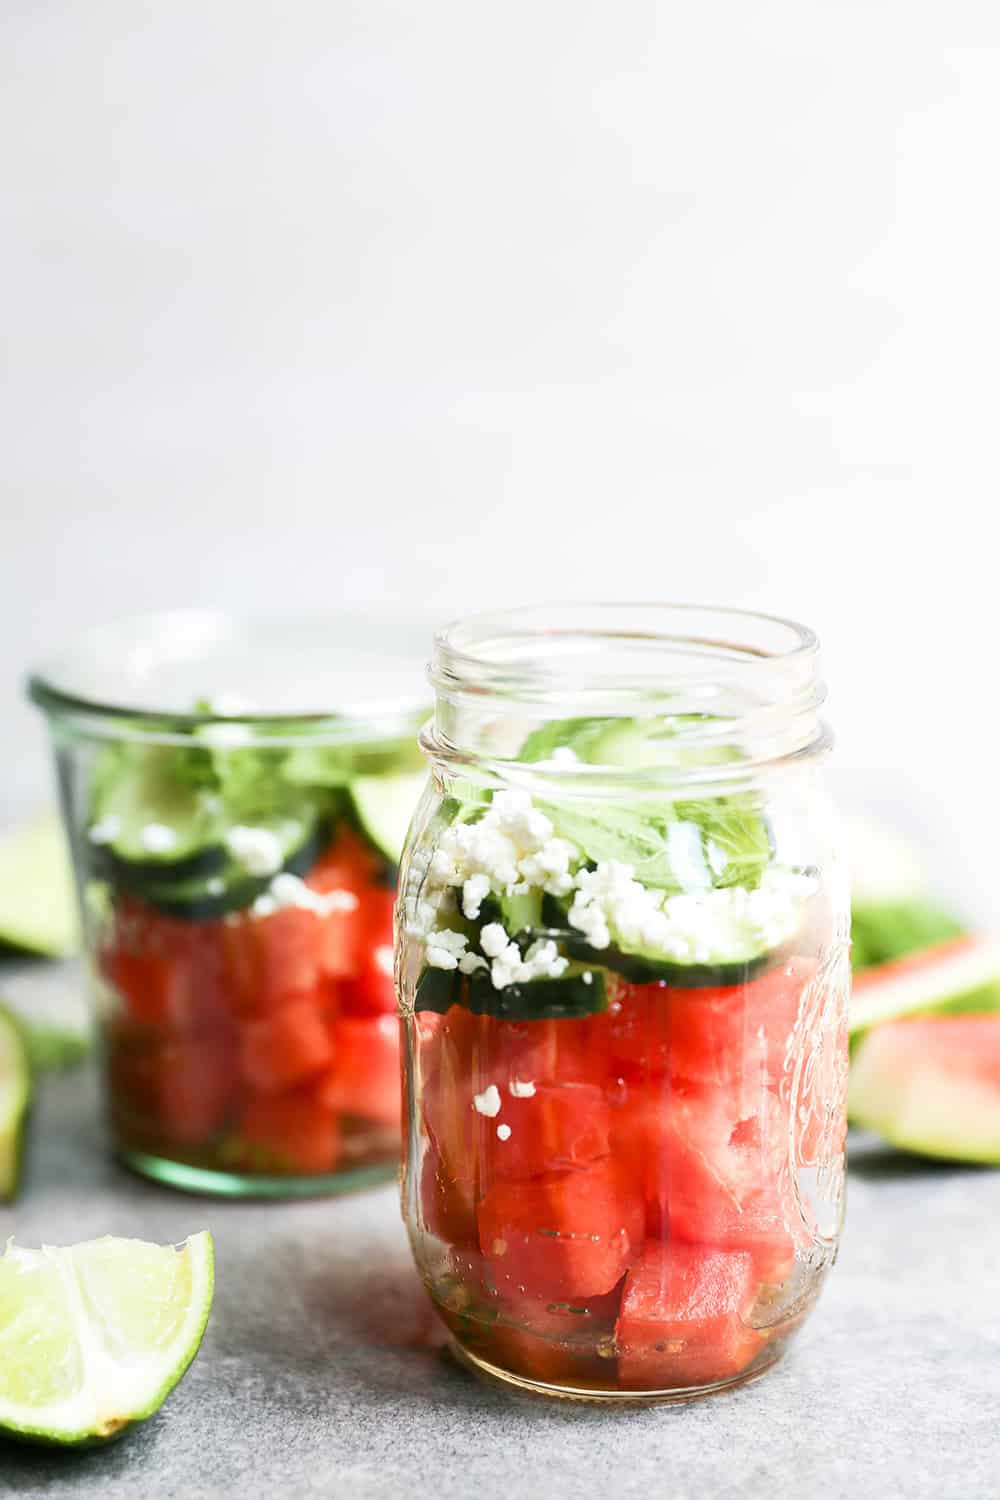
[161, 676]
[720, 675]
[538, 647]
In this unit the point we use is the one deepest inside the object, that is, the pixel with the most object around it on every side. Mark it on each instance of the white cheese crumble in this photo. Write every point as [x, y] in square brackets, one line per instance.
[692, 927]
[258, 850]
[157, 838]
[512, 849]
[541, 961]
[503, 1132]
[521, 1088]
[225, 736]
[488, 1102]
[288, 890]
[383, 958]
[105, 829]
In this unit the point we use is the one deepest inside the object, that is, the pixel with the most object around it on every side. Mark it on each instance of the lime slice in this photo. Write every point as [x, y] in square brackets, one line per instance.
[385, 805]
[15, 1096]
[37, 904]
[95, 1337]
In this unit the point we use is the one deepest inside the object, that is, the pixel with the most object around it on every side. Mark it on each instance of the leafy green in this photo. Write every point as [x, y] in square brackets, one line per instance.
[673, 845]
[735, 834]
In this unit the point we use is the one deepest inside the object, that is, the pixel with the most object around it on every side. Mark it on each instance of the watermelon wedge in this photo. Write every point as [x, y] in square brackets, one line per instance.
[962, 975]
[931, 1084]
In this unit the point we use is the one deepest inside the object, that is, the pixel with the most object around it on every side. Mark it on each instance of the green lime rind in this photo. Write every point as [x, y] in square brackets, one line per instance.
[54, 1049]
[37, 903]
[94, 1337]
[15, 1103]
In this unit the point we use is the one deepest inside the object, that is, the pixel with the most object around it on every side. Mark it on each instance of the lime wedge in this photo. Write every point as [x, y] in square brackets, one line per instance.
[96, 1336]
[37, 904]
[385, 805]
[15, 1096]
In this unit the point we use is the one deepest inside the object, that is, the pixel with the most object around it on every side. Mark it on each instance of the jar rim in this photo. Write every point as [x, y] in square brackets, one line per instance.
[656, 623]
[719, 674]
[162, 675]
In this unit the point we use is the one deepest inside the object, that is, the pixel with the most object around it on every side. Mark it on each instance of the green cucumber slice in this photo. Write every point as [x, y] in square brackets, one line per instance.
[384, 805]
[521, 913]
[154, 813]
[737, 962]
[581, 991]
[230, 887]
[15, 1098]
[640, 969]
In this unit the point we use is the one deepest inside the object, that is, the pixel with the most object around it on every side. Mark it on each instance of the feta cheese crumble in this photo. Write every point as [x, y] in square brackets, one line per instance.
[105, 829]
[488, 1102]
[512, 849]
[225, 736]
[157, 838]
[503, 1132]
[258, 850]
[522, 1089]
[610, 905]
[288, 890]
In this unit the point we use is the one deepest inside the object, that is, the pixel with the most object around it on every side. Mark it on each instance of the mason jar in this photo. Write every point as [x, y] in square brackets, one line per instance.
[622, 958]
[236, 794]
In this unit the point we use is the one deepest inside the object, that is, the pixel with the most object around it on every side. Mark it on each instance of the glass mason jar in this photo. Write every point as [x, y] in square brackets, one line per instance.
[236, 794]
[622, 958]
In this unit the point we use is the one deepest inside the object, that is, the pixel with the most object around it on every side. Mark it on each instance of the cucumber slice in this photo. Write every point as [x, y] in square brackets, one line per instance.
[726, 946]
[15, 1097]
[579, 992]
[640, 969]
[385, 805]
[635, 743]
[152, 815]
[521, 913]
[231, 887]
[37, 902]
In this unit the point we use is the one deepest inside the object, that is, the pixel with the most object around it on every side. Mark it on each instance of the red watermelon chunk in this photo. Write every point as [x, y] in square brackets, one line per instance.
[554, 1126]
[364, 1079]
[291, 1132]
[685, 1317]
[560, 1343]
[730, 1183]
[736, 1037]
[271, 959]
[566, 1234]
[280, 1050]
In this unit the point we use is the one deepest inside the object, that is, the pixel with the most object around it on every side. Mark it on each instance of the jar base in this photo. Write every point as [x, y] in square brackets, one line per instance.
[494, 1375]
[205, 1180]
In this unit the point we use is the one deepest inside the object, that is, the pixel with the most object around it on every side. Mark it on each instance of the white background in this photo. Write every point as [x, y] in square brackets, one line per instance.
[453, 304]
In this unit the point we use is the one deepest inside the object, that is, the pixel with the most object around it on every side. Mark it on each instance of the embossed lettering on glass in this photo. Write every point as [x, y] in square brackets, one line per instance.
[622, 959]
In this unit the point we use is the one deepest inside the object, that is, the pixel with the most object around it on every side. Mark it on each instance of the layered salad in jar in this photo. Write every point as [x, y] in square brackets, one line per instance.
[239, 883]
[627, 1061]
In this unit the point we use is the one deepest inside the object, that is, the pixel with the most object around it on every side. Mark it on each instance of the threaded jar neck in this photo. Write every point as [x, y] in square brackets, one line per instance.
[720, 692]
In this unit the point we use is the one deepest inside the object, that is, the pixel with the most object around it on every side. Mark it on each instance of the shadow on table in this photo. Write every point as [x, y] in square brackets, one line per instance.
[873, 1159]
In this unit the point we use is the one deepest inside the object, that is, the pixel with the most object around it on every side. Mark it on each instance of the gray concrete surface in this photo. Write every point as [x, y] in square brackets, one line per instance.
[323, 1373]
